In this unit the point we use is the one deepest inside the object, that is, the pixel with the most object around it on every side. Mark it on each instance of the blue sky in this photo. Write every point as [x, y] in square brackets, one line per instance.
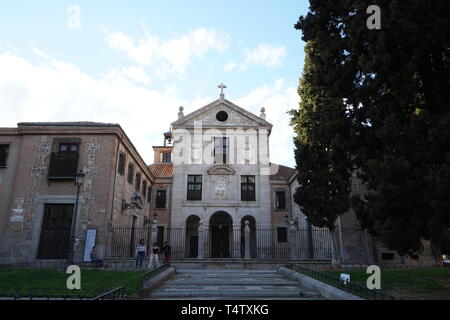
[147, 58]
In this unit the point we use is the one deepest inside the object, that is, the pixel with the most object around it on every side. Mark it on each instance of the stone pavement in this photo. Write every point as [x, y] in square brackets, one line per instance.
[216, 284]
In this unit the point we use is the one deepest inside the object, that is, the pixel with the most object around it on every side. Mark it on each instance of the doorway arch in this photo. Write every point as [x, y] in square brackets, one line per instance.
[220, 234]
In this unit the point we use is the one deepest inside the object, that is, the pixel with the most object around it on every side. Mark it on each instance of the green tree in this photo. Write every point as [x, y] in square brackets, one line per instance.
[395, 85]
[322, 129]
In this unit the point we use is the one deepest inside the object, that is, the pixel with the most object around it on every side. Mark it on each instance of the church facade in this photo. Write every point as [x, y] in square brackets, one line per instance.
[211, 191]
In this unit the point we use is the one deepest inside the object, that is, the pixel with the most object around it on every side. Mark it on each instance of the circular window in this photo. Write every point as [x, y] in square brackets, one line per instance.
[222, 116]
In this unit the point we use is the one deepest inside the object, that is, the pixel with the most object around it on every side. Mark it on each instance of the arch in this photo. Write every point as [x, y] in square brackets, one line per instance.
[192, 224]
[220, 235]
[252, 225]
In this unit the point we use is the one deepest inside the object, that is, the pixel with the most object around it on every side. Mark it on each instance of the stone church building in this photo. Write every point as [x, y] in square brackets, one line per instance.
[211, 191]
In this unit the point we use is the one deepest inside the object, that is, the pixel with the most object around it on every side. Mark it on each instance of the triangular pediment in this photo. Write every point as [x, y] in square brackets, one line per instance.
[236, 116]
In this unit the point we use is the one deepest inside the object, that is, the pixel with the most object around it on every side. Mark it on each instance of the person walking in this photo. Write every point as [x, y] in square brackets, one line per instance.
[154, 256]
[167, 252]
[141, 250]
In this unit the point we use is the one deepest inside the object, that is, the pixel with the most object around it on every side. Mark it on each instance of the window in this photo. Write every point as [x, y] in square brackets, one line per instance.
[130, 173]
[166, 157]
[161, 199]
[64, 158]
[222, 116]
[280, 200]
[282, 234]
[4, 150]
[144, 189]
[138, 182]
[248, 188]
[221, 149]
[194, 187]
[387, 256]
[149, 194]
[121, 167]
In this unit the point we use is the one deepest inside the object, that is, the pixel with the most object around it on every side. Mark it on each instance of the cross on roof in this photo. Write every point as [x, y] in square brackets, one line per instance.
[221, 87]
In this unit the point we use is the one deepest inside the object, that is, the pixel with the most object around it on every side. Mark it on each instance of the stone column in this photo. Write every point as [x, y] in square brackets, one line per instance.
[292, 241]
[247, 240]
[154, 232]
[201, 240]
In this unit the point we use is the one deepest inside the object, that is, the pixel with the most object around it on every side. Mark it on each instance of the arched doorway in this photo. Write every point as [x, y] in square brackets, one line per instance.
[220, 231]
[252, 225]
[191, 249]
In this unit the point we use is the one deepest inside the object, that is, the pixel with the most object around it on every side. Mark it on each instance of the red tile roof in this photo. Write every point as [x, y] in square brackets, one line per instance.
[161, 170]
[283, 172]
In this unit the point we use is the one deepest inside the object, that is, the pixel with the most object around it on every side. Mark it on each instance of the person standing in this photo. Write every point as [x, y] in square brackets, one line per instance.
[154, 255]
[141, 250]
[167, 252]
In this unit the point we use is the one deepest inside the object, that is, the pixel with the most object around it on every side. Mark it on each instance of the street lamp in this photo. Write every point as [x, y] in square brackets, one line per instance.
[79, 177]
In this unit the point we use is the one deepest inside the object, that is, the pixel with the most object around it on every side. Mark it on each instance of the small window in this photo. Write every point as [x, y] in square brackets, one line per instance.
[121, 166]
[282, 234]
[161, 199]
[280, 200]
[149, 194]
[387, 256]
[68, 147]
[144, 189]
[248, 188]
[221, 149]
[138, 182]
[166, 157]
[194, 187]
[130, 173]
[222, 116]
[4, 151]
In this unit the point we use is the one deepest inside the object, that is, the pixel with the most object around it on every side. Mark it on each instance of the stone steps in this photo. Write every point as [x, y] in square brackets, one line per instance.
[231, 284]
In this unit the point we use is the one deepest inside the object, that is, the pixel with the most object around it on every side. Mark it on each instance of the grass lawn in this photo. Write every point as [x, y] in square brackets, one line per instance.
[424, 283]
[46, 281]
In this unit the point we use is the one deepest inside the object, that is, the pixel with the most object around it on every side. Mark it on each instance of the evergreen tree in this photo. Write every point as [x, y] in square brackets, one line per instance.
[322, 129]
[395, 85]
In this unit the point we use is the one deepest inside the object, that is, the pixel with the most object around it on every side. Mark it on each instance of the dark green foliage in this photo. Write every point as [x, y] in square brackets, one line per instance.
[394, 84]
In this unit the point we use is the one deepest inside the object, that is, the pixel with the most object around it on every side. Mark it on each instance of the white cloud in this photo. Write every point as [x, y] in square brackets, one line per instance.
[173, 55]
[268, 55]
[229, 66]
[53, 90]
[277, 99]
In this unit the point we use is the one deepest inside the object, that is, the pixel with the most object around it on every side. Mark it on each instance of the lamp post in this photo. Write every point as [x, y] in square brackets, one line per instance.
[79, 177]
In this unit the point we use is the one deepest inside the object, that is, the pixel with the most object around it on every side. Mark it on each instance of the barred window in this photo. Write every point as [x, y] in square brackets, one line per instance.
[161, 199]
[248, 188]
[138, 182]
[4, 151]
[221, 149]
[130, 173]
[121, 166]
[280, 200]
[166, 157]
[64, 158]
[144, 189]
[194, 187]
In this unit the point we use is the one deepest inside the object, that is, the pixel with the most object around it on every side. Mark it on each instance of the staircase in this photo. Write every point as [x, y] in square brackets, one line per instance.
[201, 284]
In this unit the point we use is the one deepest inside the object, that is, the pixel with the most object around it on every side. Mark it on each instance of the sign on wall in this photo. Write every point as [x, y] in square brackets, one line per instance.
[16, 215]
[91, 235]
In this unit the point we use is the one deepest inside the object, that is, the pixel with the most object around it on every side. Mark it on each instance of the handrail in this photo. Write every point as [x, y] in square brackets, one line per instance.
[336, 282]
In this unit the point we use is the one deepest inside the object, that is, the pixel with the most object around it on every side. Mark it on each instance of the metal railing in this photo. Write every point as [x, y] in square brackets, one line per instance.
[46, 294]
[118, 293]
[351, 287]
[225, 242]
